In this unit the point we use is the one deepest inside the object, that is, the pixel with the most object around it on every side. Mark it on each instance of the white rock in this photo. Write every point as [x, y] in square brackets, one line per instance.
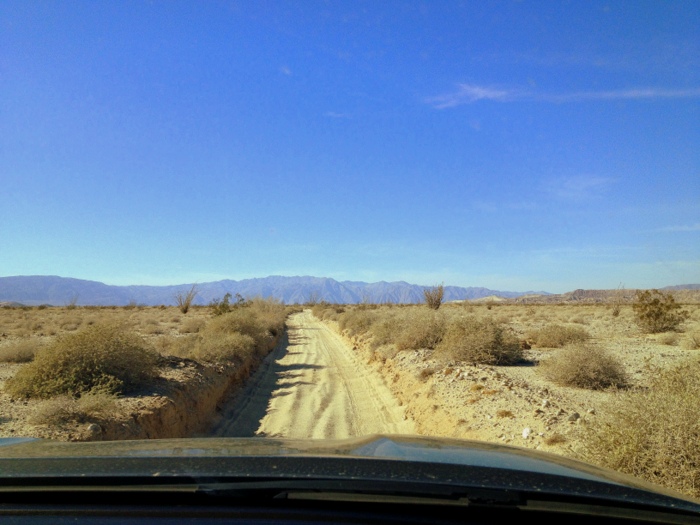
[545, 403]
[526, 432]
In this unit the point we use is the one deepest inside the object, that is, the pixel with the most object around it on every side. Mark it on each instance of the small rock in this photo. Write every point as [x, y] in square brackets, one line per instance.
[574, 417]
[538, 411]
[545, 403]
[591, 411]
[561, 412]
[526, 432]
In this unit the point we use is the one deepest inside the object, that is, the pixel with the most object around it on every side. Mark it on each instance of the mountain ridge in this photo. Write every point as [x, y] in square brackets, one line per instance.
[56, 290]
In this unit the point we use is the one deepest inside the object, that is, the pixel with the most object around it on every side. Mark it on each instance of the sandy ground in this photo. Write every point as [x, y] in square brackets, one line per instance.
[314, 386]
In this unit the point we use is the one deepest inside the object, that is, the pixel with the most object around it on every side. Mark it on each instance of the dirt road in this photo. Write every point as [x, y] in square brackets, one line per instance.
[313, 386]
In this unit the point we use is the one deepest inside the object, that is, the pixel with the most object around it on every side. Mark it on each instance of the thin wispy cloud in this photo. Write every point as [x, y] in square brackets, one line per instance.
[577, 187]
[682, 228]
[470, 93]
[629, 94]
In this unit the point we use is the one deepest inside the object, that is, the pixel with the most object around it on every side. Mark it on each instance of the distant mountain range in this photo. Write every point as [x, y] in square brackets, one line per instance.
[34, 290]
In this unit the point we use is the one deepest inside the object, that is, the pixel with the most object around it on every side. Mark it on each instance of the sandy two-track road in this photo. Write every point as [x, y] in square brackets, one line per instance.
[313, 386]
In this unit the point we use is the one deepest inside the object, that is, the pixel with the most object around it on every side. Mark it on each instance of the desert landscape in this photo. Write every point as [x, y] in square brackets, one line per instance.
[575, 374]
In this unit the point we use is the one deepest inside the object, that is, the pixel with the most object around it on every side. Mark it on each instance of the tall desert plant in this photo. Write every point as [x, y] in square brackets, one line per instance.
[433, 296]
[184, 300]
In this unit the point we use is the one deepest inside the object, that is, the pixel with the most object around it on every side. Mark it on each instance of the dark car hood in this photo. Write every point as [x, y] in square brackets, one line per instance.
[379, 458]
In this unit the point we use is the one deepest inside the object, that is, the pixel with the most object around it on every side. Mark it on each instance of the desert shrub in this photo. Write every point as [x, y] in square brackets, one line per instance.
[319, 309]
[223, 347]
[100, 357]
[192, 325]
[270, 312]
[70, 324]
[420, 329]
[176, 346]
[556, 335]
[356, 321]
[262, 320]
[433, 296]
[62, 409]
[385, 329]
[243, 322]
[19, 352]
[656, 312]
[584, 366]
[691, 341]
[668, 338]
[184, 300]
[482, 341]
[223, 306]
[652, 433]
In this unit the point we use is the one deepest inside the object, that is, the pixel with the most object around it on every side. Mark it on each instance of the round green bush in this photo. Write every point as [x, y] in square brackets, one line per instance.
[100, 358]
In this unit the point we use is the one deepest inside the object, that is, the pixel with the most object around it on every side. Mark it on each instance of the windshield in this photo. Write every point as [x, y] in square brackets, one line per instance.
[328, 220]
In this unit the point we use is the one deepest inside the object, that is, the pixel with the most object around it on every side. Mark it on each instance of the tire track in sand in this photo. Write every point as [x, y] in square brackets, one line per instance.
[313, 386]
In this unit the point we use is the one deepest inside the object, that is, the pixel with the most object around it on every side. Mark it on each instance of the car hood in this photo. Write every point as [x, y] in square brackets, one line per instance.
[379, 458]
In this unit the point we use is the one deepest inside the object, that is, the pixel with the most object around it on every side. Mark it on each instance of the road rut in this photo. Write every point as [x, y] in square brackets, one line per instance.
[313, 385]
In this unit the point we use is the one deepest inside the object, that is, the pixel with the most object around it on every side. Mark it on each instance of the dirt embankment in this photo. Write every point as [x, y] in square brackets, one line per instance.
[177, 408]
[182, 402]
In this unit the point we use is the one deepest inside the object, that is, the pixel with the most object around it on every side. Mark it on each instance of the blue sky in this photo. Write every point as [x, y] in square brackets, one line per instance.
[513, 145]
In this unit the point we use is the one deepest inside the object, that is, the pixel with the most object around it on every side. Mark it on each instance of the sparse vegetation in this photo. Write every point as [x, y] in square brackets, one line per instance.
[240, 334]
[356, 321]
[555, 439]
[192, 325]
[221, 347]
[556, 335]
[422, 329]
[63, 409]
[433, 296]
[691, 341]
[618, 300]
[584, 366]
[184, 300]
[224, 306]
[668, 338]
[99, 358]
[482, 341]
[380, 329]
[22, 351]
[652, 433]
[656, 312]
